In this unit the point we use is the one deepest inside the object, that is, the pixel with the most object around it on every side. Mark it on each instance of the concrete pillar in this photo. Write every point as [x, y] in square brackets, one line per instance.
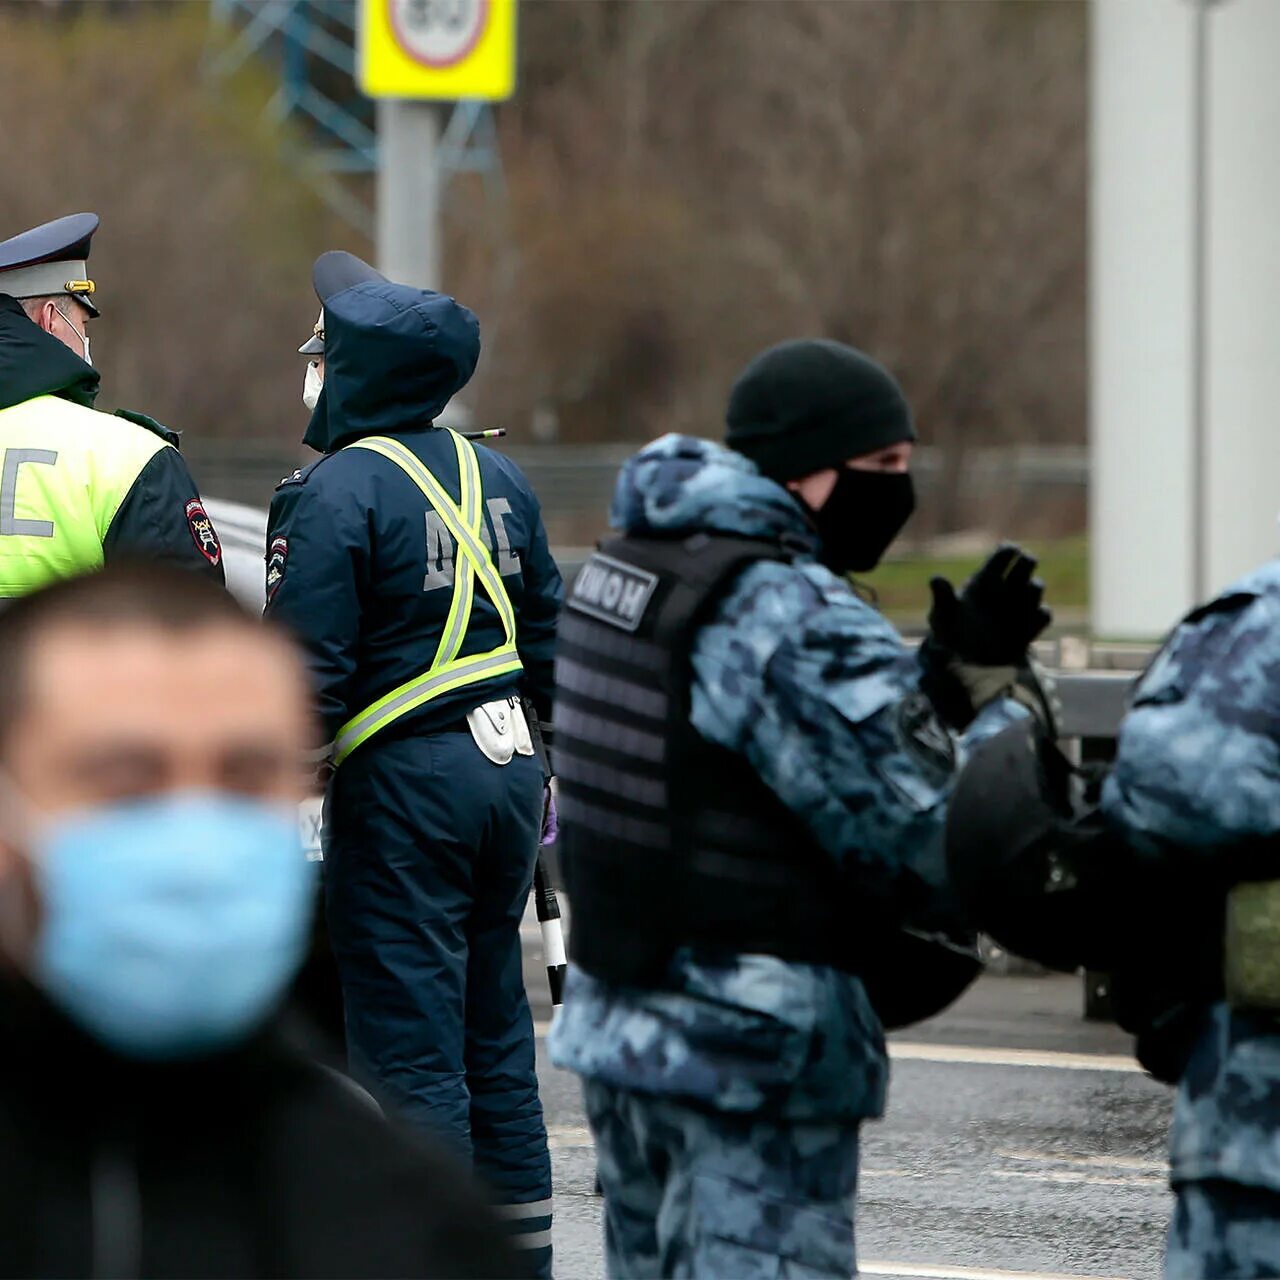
[1243, 259]
[1184, 303]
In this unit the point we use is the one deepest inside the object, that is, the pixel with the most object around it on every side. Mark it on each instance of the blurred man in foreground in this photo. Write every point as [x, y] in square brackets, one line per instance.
[154, 905]
[78, 487]
[754, 773]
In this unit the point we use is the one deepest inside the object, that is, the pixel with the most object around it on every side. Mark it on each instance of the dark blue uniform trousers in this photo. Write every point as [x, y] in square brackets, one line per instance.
[429, 856]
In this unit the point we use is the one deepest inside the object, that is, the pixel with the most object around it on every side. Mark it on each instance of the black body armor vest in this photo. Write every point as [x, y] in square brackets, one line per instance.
[667, 840]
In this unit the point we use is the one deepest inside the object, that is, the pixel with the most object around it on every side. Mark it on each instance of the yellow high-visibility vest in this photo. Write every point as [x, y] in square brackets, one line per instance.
[447, 671]
[64, 472]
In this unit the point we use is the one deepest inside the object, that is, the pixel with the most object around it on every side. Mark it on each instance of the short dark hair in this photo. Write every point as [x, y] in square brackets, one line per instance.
[142, 594]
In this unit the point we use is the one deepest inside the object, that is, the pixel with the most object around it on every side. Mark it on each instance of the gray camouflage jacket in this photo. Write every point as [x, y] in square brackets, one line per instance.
[1197, 768]
[818, 692]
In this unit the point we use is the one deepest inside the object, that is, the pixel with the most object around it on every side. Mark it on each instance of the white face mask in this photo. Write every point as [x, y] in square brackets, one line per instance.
[84, 337]
[312, 384]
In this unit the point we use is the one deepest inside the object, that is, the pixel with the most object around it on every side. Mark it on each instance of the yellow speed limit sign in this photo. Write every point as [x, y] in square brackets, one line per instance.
[437, 48]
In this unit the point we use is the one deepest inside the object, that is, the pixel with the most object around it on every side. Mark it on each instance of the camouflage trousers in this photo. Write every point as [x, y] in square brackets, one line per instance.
[1224, 1231]
[713, 1195]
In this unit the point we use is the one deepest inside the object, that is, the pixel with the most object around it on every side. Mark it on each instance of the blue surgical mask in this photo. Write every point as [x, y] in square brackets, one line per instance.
[171, 925]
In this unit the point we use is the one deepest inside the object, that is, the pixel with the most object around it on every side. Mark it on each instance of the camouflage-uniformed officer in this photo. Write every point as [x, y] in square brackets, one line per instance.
[1197, 779]
[752, 784]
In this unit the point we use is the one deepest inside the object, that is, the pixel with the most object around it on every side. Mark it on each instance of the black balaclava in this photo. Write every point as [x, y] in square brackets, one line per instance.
[810, 404]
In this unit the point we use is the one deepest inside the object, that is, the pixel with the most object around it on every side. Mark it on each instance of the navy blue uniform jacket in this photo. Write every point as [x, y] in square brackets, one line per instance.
[359, 565]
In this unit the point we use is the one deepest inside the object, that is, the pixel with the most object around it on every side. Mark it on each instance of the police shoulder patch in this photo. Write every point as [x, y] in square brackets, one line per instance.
[203, 534]
[612, 591]
[276, 557]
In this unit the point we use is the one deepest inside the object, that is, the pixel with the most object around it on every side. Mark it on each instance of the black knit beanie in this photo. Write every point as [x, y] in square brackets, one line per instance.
[809, 404]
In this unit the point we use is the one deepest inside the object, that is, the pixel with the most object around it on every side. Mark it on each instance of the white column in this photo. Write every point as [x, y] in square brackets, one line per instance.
[1184, 303]
[409, 192]
[1243, 257]
[1141, 290]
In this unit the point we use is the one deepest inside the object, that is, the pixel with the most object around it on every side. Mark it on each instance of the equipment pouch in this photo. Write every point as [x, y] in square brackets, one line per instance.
[500, 730]
[1251, 955]
[311, 827]
[520, 728]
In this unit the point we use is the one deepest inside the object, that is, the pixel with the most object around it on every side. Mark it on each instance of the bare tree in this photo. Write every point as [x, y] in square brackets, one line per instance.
[686, 182]
[715, 175]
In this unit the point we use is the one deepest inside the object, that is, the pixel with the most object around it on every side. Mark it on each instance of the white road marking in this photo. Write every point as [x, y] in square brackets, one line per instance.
[1089, 1162]
[569, 1135]
[573, 1137]
[1096, 1172]
[1079, 1177]
[981, 1056]
[923, 1271]
[972, 1055]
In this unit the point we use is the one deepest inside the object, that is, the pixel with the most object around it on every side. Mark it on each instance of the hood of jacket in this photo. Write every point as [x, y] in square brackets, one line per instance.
[680, 484]
[34, 363]
[394, 356]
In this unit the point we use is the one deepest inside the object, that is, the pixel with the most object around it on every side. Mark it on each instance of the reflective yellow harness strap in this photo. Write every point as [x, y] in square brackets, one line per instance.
[447, 671]
[464, 572]
[469, 544]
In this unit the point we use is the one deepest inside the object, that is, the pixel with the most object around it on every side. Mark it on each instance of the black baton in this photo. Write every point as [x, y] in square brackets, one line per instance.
[545, 902]
[548, 908]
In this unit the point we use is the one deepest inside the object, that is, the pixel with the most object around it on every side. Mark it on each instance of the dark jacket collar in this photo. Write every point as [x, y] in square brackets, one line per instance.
[32, 363]
[50, 1060]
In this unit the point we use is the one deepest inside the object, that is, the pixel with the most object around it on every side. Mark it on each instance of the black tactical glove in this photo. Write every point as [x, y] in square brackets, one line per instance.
[977, 647]
[997, 615]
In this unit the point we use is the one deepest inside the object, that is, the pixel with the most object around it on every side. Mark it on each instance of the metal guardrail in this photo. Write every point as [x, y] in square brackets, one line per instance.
[1093, 701]
[580, 478]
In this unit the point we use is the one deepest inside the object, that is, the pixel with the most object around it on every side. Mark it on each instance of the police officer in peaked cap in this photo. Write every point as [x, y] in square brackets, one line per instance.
[413, 566]
[78, 487]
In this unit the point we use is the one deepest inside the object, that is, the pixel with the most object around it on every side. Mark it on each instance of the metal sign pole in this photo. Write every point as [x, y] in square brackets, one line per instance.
[412, 56]
[409, 192]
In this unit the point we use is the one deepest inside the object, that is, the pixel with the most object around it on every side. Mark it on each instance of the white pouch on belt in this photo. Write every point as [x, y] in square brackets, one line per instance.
[500, 730]
[311, 827]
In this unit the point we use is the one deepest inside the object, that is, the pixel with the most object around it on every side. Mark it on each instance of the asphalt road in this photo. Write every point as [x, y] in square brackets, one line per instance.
[1020, 1141]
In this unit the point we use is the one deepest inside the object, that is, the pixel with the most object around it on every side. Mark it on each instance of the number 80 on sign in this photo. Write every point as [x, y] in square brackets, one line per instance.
[437, 49]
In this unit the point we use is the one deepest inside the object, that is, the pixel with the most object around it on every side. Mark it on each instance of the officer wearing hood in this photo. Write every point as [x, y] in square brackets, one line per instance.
[79, 488]
[753, 776]
[414, 568]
